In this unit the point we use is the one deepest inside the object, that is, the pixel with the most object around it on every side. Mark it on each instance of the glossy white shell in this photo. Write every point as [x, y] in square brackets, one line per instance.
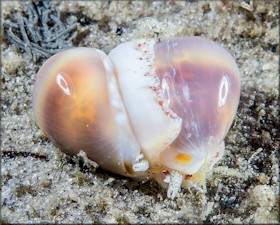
[147, 109]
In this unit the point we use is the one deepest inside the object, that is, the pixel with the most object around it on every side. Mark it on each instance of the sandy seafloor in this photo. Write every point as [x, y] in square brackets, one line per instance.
[41, 184]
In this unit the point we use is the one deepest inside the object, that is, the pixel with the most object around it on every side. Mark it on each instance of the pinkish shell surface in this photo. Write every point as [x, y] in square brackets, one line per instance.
[148, 109]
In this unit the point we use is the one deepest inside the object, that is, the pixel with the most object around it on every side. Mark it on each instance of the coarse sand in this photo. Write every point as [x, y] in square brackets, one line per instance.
[39, 183]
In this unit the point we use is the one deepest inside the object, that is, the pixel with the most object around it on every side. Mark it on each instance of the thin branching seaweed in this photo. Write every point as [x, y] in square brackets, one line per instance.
[39, 30]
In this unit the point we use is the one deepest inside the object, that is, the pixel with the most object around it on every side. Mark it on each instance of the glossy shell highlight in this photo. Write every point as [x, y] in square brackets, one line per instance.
[148, 109]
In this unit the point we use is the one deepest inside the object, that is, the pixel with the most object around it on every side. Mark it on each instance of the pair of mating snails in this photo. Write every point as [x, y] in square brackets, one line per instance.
[147, 110]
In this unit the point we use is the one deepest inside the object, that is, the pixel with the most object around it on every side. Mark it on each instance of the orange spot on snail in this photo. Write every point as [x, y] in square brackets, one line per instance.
[183, 158]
